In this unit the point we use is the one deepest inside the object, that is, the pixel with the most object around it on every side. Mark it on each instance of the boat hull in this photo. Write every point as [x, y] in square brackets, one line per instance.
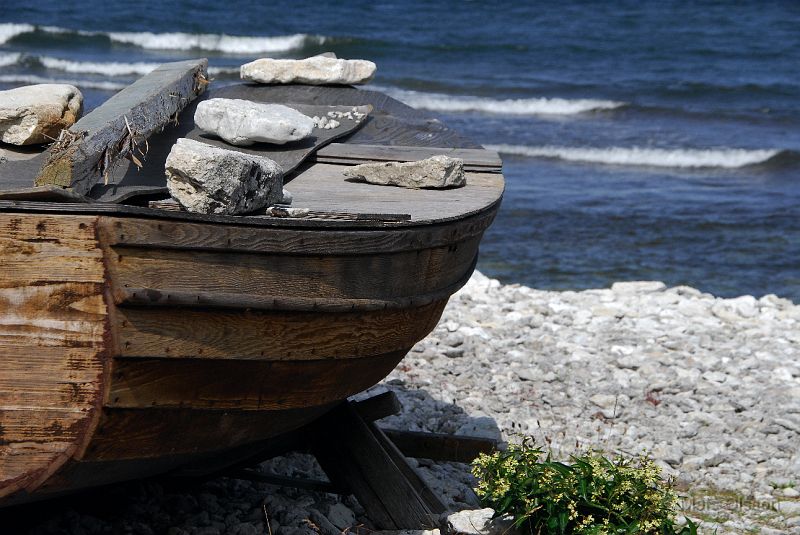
[132, 346]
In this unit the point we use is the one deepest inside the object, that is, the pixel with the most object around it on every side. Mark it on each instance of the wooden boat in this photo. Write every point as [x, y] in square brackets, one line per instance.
[135, 340]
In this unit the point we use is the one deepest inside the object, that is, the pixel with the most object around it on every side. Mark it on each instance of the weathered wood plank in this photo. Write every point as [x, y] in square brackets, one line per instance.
[439, 446]
[53, 342]
[255, 335]
[160, 234]
[480, 160]
[194, 278]
[432, 501]
[377, 407]
[284, 481]
[90, 148]
[323, 187]
[349, 451]
[42, 193]
[243, 384]
[169, 432]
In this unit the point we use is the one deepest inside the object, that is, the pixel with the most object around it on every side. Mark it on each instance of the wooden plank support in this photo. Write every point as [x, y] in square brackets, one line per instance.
[379, 406]
[431, 499]
[480, 160]
[354, 454]
[285, 481]
[87, 151]
[439, 446]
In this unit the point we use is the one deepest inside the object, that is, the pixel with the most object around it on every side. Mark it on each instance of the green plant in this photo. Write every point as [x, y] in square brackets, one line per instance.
[590, 495]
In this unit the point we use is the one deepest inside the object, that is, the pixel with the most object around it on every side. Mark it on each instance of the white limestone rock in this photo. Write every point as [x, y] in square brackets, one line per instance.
[477, 522]
[38, 113]
[242, 122]
[435, 172]
[317, 70]
[210, 180]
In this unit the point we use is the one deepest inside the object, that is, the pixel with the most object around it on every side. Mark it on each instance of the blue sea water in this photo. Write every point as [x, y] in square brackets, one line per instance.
[642, 140]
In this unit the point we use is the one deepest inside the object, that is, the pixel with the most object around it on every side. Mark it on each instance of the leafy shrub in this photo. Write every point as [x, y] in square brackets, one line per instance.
[589, 495]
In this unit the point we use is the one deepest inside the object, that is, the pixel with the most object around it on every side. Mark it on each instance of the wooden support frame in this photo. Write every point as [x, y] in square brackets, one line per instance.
[369, 462]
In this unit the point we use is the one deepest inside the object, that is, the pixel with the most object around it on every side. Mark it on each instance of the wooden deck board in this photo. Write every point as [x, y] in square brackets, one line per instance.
[323, 187]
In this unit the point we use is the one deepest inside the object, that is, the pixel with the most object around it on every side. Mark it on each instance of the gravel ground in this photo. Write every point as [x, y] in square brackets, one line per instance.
[710, 387]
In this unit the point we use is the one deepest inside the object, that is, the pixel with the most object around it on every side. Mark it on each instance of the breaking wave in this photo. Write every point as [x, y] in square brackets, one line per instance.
[232, 44]
[9, 58]
[88, 84]
[9, 30]
[676, 158]
[91, 67]
[522, 106]
[113, 68]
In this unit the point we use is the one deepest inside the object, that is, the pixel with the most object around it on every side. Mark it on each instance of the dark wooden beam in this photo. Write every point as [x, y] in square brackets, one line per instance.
[354, 454]
[87, 152]
[379, 406]
[440, 447]
[285, 481]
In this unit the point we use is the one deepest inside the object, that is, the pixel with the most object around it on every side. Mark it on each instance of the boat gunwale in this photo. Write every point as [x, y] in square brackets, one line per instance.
[128, 211]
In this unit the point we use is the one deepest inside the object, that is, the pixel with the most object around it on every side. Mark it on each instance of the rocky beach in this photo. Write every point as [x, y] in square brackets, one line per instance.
[709, 387]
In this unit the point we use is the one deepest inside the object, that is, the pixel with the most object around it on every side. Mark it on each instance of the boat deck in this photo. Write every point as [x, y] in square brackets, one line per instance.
[392, 132]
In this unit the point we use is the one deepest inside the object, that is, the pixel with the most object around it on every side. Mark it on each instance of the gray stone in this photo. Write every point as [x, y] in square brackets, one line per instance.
[211, 180]
[638, 287]
[286, 197]
[38, 113]
[477, 522]
[317, 70]
[435, 172]
[242, 122]
[482, 426]
[325, 526]
[341, 516]
[245, 528]
[788, 508]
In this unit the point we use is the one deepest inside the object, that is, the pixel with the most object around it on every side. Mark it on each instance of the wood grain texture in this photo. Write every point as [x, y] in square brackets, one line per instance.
[243, 384]
[54, 333]
[323, 187]
[204, 441]
[163, 432]
[287, 282]
[480, 160]
[440, 446]
[254, 335]
[351, 454]
[138, 232]
[97, 141]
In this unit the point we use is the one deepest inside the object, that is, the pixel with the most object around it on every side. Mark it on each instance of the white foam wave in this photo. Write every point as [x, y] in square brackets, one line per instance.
[87, 84]
[90, 67]
[521, 106]
[111, 68]
[231, 44]
[725, 158]
[9, 30]
[9, 58]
